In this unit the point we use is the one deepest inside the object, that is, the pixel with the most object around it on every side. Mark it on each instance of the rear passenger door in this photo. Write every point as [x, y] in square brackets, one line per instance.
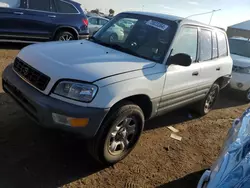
[208, 59]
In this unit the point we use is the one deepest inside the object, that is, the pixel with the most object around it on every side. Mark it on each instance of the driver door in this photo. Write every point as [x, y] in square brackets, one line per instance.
[181, 82]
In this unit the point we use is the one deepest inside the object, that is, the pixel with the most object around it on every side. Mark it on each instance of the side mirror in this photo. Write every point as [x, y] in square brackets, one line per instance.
[180, 59]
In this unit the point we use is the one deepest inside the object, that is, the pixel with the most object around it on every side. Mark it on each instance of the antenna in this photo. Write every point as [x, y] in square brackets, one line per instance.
[213, 11]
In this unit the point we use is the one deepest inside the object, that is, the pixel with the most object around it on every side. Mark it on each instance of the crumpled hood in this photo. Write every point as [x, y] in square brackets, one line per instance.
[240, 60]
[80, 60]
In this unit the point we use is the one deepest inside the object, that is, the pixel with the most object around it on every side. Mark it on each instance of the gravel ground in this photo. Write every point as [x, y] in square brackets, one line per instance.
[31, 156]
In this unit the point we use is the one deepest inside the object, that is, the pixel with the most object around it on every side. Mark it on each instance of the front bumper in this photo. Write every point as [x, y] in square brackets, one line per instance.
[40, 107]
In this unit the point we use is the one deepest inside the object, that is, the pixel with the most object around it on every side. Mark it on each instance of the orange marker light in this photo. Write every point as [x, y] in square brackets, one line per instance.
[78, 122]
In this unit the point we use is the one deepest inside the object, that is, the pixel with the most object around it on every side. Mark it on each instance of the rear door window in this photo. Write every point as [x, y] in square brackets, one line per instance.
[186, 42]
[205, 45]
[93, 21]
[222, 44]
[43, 5]
[215, 46]
[102, 22]
[10, 3]
[64, 7]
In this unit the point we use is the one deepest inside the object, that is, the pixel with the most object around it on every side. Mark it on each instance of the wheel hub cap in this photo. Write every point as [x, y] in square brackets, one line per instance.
[121, 136]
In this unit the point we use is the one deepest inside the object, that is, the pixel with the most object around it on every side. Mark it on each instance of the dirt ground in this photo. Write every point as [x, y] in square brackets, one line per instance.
[31, 156]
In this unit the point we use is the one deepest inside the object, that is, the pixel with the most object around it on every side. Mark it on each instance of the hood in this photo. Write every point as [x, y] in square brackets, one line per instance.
[80, 60]
[240, 60]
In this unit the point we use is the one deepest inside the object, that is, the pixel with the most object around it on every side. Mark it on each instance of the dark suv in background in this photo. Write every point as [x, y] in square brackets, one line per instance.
[42, 20]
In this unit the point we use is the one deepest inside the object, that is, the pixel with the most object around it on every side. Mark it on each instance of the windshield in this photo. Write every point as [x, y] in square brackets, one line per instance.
[139, 35]
[240, 47]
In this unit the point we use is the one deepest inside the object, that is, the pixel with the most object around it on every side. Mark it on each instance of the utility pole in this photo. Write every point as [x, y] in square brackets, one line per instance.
[142, 8]
[213, 15]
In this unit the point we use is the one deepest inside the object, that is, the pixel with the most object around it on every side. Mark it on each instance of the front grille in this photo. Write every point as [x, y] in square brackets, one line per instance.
[31, 75]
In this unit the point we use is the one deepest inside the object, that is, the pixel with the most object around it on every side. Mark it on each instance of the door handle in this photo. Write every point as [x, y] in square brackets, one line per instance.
[196, 73]
[218, 68]
[51, 16]
[18, 13]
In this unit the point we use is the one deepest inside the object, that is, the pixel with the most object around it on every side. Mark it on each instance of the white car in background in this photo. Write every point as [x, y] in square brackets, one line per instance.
[95, 23]
[240, 53]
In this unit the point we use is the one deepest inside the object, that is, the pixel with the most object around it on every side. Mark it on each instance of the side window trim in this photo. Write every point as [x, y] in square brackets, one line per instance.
[215, 33]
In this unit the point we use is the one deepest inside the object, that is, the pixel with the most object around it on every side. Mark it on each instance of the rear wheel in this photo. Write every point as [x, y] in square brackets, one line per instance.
[247, 95]
[118, 135]
[65, 36]
[207, 104]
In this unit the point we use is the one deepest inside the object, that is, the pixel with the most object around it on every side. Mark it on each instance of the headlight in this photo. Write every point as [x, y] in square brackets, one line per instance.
[243, 70]
[77, 91]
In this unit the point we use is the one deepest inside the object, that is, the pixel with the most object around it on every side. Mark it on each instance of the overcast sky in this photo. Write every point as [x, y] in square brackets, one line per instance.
[232, 12]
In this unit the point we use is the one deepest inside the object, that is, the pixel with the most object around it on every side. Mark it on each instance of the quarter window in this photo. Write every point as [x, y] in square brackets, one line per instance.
[186, 42]
[10, 3]
[215, 46]
[206, 45]
[64, 7]
[222, 44]
[43, 5]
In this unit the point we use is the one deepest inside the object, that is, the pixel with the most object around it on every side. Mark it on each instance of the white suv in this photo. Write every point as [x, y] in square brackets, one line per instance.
[105, 89]
[240, 52]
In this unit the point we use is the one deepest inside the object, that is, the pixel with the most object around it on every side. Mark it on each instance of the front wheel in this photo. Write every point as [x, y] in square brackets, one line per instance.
[247, 96]
[118, 135]
[206, 105]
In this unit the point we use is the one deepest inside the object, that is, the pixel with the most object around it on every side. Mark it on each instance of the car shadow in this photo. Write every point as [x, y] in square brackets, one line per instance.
[12, 45]
[31, 156]
[190, 180]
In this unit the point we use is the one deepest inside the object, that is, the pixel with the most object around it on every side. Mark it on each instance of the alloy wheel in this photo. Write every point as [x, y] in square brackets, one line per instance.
[122, 136]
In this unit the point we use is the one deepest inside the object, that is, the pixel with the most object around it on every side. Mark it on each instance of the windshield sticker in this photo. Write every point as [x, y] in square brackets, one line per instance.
[157, 25]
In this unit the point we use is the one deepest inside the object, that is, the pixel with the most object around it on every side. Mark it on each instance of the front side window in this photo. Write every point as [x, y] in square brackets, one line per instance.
[10, 3]
[142, 36]
[222, 44]
[64, 7]
[43, 5]
[205, 45]
[93, 21]
[186, 42]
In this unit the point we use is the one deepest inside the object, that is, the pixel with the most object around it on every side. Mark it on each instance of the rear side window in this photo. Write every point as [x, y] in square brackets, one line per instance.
[186, 42]
[43, 5]
[215, 46]
[102, 22]
[205, 45]
[10, 3]
[64, 7]
[93, 21]
[222, 44]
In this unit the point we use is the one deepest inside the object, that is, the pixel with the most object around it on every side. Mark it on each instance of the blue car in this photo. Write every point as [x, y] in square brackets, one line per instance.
[42, 20]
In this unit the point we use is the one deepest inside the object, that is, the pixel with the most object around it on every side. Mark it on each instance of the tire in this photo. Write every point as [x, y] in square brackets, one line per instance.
[113, 38]
[202, 107]
[65, 36]
[247, 95]
[103, 147]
